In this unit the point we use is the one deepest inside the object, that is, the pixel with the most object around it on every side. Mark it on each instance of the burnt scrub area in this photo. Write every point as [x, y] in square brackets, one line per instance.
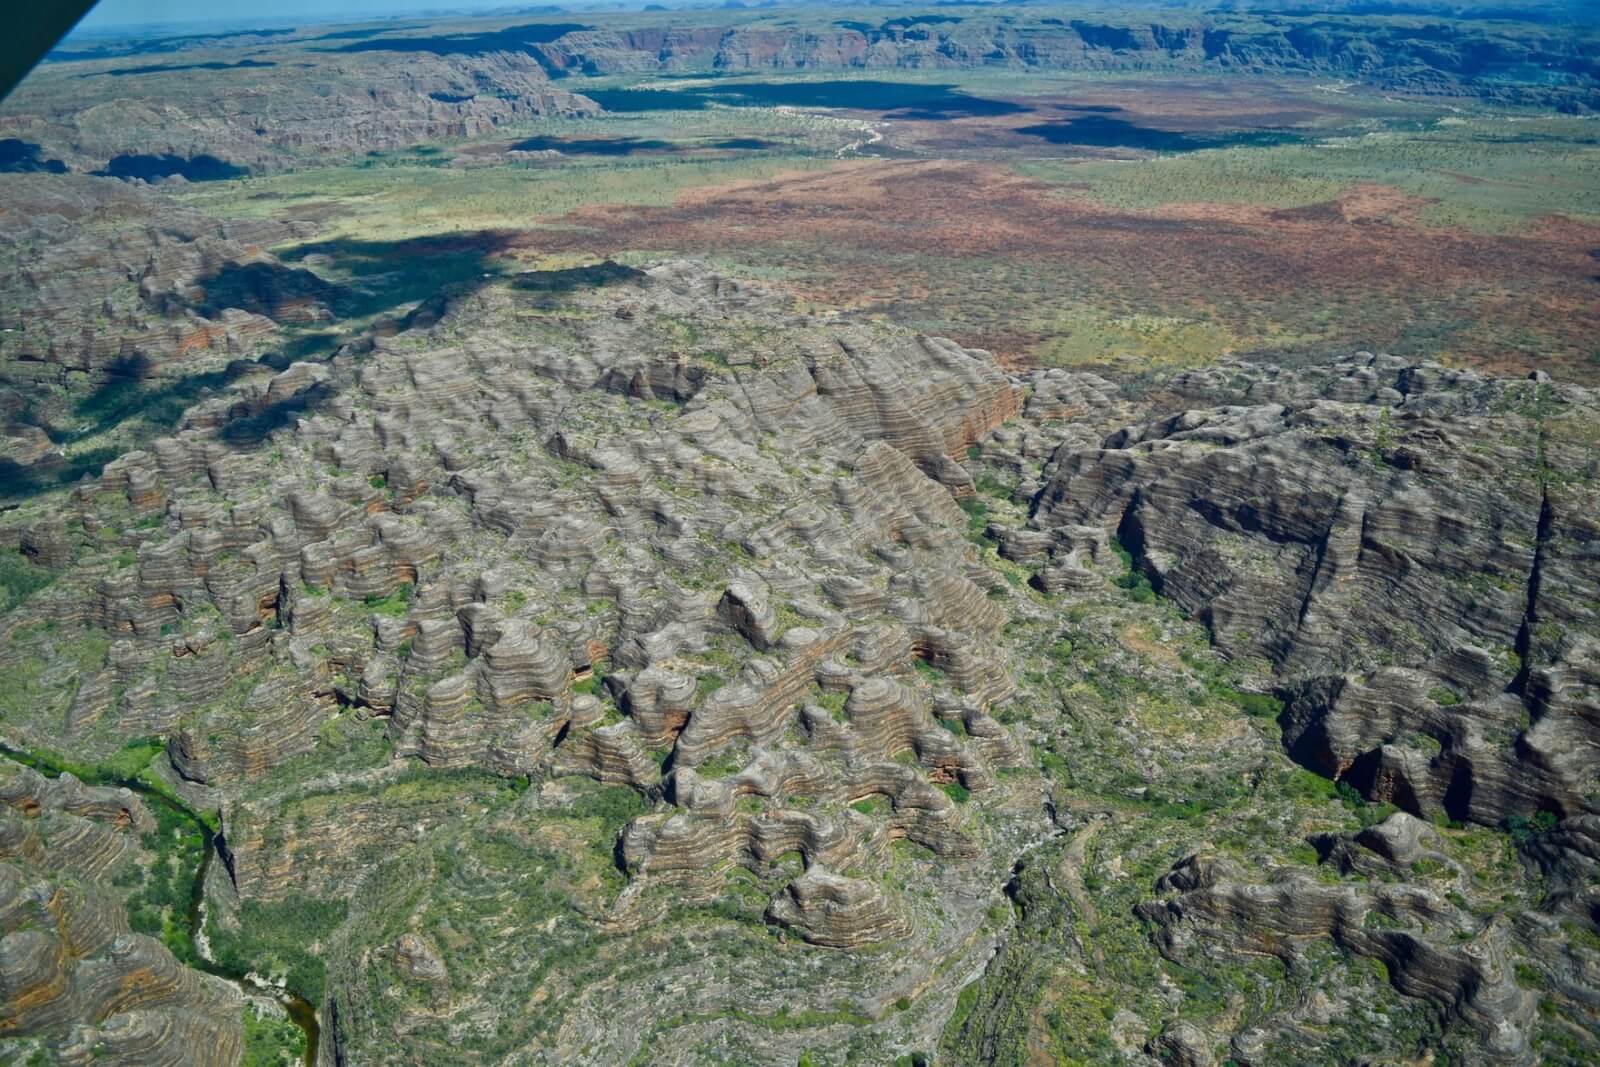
[975, 251]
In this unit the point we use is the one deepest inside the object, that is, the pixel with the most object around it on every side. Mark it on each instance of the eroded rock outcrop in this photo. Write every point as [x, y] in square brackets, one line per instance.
[76, 983]
[1410, 546]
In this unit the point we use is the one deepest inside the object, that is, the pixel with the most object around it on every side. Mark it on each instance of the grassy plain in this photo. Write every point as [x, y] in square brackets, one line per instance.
[1084, 220]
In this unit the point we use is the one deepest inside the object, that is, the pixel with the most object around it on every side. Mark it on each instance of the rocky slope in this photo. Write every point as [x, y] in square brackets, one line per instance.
[77, 985]
[1411, 547]
[130, 117]
[618, 665]
[98, 330]
[1414, 55]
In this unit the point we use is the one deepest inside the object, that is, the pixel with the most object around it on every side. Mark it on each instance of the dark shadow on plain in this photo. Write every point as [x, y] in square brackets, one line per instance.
[201, 168]
[743, 144]
[166, 68]
[361, 35]
[126, 394]
[867, 29]
[567, 279]
[898, 99]
[627, 146]
[249, 428]
[1099, 131]
[271, 289]
[22, 157]
[384, 275]
[18, 481]
[510, 39]
[649, 99]
[598, 146]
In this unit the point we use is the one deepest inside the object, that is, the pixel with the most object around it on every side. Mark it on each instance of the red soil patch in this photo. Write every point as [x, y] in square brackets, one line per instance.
[977, 252]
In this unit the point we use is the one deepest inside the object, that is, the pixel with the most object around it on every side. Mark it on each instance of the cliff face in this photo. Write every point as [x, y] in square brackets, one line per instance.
[1512, 64]
[314, 96]
[131, 118]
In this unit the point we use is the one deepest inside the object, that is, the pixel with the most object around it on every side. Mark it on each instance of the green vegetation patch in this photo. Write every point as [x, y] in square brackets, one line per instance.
[271, 1041]
[279, 939]
[20, 578]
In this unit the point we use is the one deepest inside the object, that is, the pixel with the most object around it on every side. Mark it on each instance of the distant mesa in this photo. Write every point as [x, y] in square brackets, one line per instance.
[453, 98]
[510, 39]
[156, 45]
[201, 168]
[165, 68]
[23, 157]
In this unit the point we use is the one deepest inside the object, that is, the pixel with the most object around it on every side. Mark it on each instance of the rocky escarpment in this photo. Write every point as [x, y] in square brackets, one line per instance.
[347, 92]
[77, 985]
[1438, 57]
[145, 119]
[1410, 547]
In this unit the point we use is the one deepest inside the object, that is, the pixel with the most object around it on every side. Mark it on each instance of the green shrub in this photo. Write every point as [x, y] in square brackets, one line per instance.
[270, 1041]
[1525, 830]
[20, 578]
[395, 605]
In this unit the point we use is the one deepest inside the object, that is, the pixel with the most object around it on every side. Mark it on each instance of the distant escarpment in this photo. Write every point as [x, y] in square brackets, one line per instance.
[1507, 62]
[201, 121]
[1413, 550]
[311, 95]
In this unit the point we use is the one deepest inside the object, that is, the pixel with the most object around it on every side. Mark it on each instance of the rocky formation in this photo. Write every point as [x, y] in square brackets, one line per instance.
[132, 306]
[601, 607]
[129, 118]
[120, 307]
[784, 617]
[1410, 547]
[76, 984]
[295, 95]
[1429, 948]
[1445, 57]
